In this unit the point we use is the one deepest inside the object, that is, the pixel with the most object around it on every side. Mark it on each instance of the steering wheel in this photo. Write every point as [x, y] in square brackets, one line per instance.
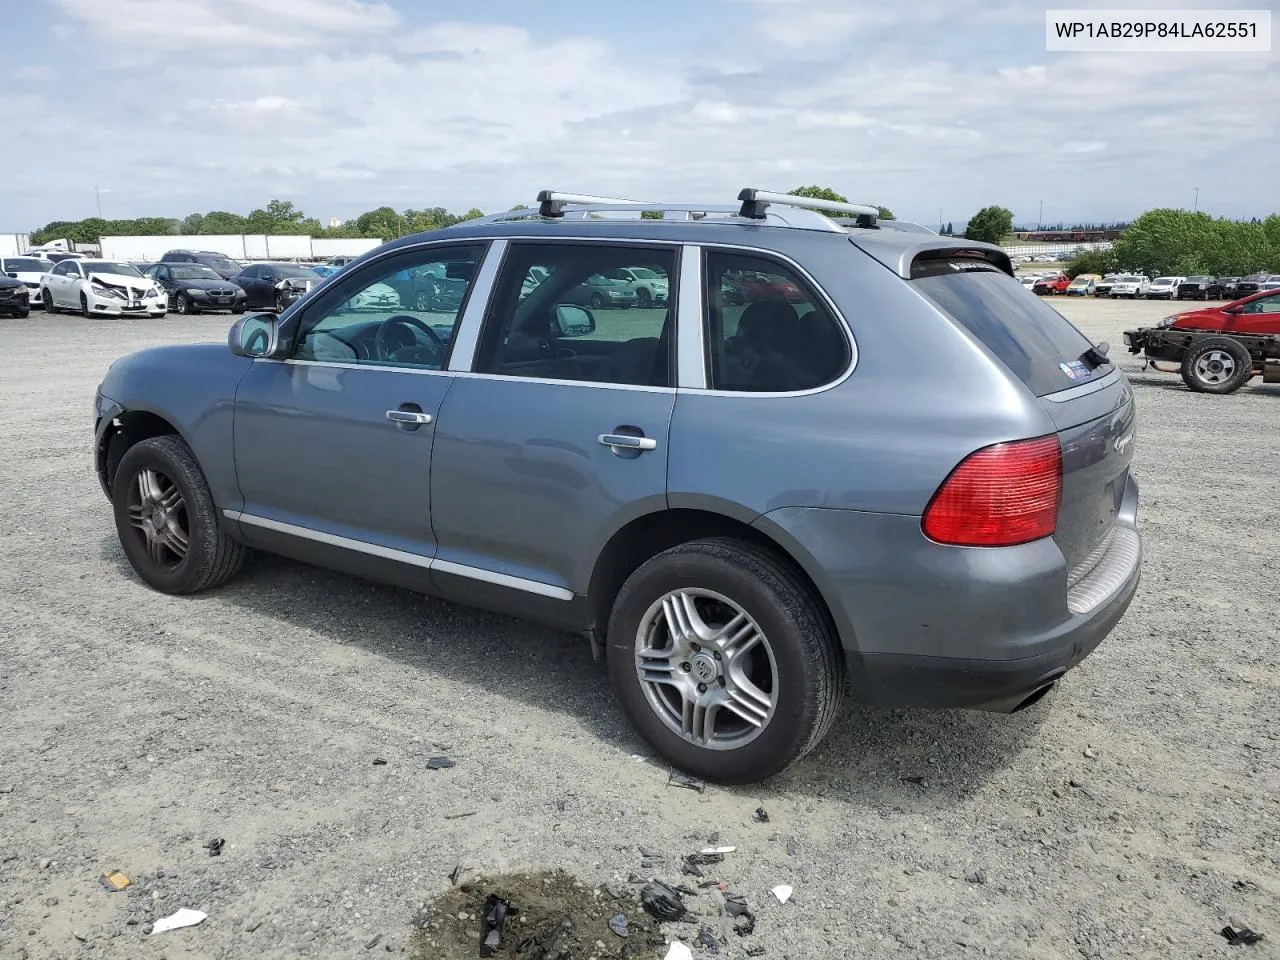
[382, 339]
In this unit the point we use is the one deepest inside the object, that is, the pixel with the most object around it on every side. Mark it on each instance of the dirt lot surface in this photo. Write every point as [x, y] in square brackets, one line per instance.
[1133, 812]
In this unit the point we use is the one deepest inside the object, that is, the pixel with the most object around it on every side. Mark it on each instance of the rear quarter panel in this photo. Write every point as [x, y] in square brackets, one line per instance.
[192, 387]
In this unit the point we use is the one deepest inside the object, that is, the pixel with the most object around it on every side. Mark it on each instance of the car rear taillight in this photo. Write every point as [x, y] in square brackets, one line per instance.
[999, 496]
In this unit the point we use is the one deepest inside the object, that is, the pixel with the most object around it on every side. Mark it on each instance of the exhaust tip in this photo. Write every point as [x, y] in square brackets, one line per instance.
[1037, 695]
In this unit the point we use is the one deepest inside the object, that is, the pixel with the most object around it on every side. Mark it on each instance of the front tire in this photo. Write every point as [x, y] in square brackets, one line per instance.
[182, 305]
[1217, 365]
[84, 306]
[725, 660]
[24, 313]
[167, 522]
[644, 299]
[47, 299]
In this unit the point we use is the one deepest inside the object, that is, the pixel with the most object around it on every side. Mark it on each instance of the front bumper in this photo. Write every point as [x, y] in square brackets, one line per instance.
[925, 625]
[204, 301]
[110, 306]
[17, 302]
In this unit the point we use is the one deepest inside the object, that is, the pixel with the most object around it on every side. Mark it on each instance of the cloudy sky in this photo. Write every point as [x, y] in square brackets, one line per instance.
[174, 106]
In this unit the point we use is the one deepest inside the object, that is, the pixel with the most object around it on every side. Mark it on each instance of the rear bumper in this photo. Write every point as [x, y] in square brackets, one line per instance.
[924, 625]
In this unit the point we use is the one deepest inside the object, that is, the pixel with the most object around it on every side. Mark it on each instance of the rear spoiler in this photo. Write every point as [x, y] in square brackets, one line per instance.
[911, 255]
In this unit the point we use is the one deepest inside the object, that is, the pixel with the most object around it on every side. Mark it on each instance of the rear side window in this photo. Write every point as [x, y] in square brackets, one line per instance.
[1038, 344]
[768, 332]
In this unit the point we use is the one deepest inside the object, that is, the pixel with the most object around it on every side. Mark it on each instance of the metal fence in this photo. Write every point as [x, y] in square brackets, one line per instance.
[1065, 249]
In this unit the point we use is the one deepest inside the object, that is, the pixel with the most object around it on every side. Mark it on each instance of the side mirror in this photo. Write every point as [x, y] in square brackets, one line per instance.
[255, 335]
[13, 275]
[573, 321]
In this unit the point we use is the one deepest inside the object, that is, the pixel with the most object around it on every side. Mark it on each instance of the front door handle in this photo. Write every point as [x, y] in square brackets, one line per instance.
[414, 417]
[626, 442]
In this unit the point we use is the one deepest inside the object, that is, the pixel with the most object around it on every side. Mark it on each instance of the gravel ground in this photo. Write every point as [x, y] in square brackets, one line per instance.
[1131, 813]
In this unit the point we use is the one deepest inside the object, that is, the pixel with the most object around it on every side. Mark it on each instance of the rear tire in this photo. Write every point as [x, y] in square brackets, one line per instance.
[189, 551]
[47, 299]
[24, 313]
[797, 656]
[1217, 365]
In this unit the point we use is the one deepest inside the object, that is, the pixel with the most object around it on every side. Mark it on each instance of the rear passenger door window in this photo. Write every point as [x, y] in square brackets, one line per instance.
[767, 330]
[559, 312]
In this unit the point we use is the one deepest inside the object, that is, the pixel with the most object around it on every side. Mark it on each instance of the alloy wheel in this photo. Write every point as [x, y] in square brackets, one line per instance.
[1215, 366]
[706, 668]
[158, 515]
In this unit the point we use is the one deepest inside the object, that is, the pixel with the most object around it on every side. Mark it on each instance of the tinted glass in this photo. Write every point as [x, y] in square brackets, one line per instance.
[1025, 334]
[291, 270]
[403, 317]
[555, 315]
[194, 271]
[218, 263]
[766, 329]
[27, 265]
[110, 266]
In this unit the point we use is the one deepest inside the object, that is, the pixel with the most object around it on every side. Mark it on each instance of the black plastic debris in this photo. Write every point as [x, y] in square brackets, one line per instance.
[379, 762]
[744, 921]
[761, 815]
[455, 874]
[918, 781]
[618, 924]
[685, 890]
[1242, 937]
[215, 846]
[694, 862]
[708, 941]
[756, 951]
[684, 780]
[661, 901]
[495, 915]
[439, 763]
[744, 925]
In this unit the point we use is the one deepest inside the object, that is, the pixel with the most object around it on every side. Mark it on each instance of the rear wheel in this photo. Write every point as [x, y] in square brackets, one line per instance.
[1217, 365]
[166, 519]
[724, 659]
[47, 299]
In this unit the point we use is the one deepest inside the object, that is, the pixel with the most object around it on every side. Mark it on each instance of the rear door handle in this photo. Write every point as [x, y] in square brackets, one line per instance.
[627, 442]
[409, 416]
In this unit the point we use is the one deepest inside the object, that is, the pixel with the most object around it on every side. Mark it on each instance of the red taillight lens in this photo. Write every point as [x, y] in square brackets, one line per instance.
[999, 496]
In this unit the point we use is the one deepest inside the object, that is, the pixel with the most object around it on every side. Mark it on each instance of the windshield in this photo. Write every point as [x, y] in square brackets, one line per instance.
[192, 271]
[110, 266]
[220, 263]
[290, 270]
[644, 273]
[1131, 279]
[1198, 279]
[27, 265]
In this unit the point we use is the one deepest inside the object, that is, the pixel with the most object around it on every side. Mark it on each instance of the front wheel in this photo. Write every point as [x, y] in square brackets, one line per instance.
[166, 519]
[596, 301]
[237, 310]
[47, 299]
[644, 299]
[281, 303]
[84, 306]
[24, 313]
[1217, 365]
[182, 305]
[724, 659]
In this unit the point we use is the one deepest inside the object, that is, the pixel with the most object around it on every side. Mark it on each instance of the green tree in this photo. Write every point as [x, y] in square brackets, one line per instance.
[990, 224]
[222, 222]
[819, 193]
[383, 223]
[1100, 262]
[191, 224]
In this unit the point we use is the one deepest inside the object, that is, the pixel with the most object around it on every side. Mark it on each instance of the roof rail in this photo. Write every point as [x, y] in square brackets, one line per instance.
[552, 204]
[755, 202]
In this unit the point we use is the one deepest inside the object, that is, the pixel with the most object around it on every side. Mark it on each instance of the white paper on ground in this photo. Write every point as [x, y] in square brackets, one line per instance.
[183, 918]
[782, 892]
[718, 849]
[679, 951]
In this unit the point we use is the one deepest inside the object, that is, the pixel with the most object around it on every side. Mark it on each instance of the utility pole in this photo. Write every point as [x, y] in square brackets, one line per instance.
[1196, 208]
[98, 194]
[939, 219]
[1040, 219]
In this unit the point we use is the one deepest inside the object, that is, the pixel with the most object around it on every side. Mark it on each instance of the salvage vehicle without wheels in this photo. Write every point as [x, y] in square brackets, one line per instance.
[1216, 349]
[617, 473]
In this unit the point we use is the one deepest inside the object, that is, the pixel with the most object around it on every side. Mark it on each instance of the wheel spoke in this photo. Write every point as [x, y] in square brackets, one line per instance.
[149, 486]
[699, 719]
[737, 637]
[747, 700]
[656, 666]
[176, 540]
[137, 517]
[171, 500]
[155, 548]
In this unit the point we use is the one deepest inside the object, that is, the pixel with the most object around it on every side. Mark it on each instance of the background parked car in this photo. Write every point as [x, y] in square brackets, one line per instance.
[15, 298]
[648, 285]
[1130, 285]
[324, 270]
[1163, 288]
[195, 288]
[275, 285]
[428, 288]
[220, 263]
[29, 270]
[1247, 286]
[599, 291]
[106, 287]
[1082, 286]
[1199, 287]
[1048, 286]
[1103, 287]
[1272, 282]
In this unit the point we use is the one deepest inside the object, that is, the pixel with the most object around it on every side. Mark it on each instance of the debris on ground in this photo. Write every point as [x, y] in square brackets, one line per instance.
[684, 780]
[373, 941]
[114, 880]
[460, 815]
[716, 851]
[215, 846]
[708, 941]
[175, 921]
[379, 762]
[678, 951]
[756, 951]
[761, 815]
[618, 924]
[549, 914]
[495, 915]
[1242, 937]
[650, 858]
[744, 921]
[783, 892]
[976, 876]
[661, 901]
[694, 862]
[918, 781]
[439, 763]
[455, 874]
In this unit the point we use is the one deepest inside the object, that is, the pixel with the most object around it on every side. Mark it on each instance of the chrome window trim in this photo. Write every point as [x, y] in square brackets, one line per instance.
[1074, 393]
[835, 312]
[402, 556]
[467, 337]
[595, 384]
[691, 353]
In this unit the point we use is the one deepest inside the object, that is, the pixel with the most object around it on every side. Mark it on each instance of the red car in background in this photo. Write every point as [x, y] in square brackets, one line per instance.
[1219, 349]
[747, 286]
[1047, 286]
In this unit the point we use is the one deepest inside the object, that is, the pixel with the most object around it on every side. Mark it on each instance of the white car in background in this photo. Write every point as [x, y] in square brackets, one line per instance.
[1131, 286]
[29, 270]
[650, 287]
[1163, 288]
[106, 287]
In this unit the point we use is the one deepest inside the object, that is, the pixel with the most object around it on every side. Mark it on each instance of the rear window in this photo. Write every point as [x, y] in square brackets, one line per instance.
[1038, 345]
